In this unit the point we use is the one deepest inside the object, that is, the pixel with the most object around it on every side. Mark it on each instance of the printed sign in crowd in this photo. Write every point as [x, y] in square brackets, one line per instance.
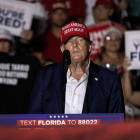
[96, 33]
[132, 48]
[15, 16]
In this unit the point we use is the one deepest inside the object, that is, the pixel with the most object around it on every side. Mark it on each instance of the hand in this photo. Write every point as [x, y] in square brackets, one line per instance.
[27, 35]
[126, 63]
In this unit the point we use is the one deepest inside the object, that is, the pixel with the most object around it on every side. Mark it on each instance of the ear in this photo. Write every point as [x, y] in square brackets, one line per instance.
[90, 48]
[62, 47]
[111, 12]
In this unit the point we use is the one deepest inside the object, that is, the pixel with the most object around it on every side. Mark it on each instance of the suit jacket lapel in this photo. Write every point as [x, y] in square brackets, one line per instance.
[92, 85]
[59, 85]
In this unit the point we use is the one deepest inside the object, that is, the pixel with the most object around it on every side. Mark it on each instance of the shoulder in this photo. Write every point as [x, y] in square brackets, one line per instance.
[51, 68]
[47, 73]
[103, 72]
[98, 59]
[108, 77]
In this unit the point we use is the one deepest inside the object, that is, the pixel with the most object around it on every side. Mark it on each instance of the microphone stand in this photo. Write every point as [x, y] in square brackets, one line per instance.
[66, 62]
[64, 88]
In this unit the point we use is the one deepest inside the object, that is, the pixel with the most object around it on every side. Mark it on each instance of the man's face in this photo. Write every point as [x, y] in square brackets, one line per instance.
[79, 48]
[4, 46]
[102, 13]
[59, 17]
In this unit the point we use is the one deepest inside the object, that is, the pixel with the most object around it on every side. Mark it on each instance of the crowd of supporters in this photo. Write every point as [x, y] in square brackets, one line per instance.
[106, 20]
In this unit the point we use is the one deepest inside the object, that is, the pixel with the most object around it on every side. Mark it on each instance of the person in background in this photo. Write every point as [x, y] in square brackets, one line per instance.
[98, 11]
[76, 8]
[103, 10]
[6, 42]
[131, 89]
[17, 75]
[112, 57]
[120, 11]
[120, 14]
[59, 17]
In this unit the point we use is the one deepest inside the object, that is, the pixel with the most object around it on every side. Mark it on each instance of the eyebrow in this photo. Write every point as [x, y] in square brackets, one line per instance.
[80, 37]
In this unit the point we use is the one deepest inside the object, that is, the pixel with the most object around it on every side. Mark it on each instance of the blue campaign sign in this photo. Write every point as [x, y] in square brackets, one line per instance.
[47, 120]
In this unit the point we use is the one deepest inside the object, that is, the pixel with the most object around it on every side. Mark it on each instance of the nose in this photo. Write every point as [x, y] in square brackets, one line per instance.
[75, 43]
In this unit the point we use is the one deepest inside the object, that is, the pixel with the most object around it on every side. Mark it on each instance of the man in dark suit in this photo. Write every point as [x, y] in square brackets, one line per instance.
[89, 89]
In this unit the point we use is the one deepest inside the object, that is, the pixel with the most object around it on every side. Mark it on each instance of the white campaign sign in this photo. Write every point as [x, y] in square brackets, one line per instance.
[15, 16]
[132, 48]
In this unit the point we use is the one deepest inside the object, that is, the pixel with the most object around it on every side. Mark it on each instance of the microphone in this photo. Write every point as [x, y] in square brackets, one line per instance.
[66, 58]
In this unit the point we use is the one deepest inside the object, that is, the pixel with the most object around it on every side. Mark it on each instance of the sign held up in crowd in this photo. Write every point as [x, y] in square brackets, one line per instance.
[96, 33]
[15, 16]
[132, 48]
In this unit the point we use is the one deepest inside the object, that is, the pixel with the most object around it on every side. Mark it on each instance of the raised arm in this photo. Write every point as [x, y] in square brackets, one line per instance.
[130, 95]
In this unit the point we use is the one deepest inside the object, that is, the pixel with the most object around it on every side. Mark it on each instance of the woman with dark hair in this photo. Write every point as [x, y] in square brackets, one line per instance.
[111, 57]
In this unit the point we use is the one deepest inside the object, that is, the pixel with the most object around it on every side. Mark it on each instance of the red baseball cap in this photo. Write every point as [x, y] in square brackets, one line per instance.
[74, 28]
[108, 3]
[58, 5]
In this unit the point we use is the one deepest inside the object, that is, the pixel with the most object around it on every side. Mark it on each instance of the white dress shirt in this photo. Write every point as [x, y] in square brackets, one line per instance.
[75, 92]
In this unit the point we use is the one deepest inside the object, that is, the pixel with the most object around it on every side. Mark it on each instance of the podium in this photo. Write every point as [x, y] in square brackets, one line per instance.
[59, 120]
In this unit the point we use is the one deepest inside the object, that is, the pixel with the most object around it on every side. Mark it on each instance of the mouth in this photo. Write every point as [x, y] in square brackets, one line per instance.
[75, 52]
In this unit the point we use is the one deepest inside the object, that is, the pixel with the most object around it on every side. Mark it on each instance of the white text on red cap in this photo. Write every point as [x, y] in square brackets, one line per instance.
[73, 29]
[73, 24]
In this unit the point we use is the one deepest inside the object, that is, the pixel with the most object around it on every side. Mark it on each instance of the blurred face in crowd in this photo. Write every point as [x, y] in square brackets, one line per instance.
[59, 17]
[123, 5]
[79, 48]
[4, 46]
[112, 42]
[102, 13]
